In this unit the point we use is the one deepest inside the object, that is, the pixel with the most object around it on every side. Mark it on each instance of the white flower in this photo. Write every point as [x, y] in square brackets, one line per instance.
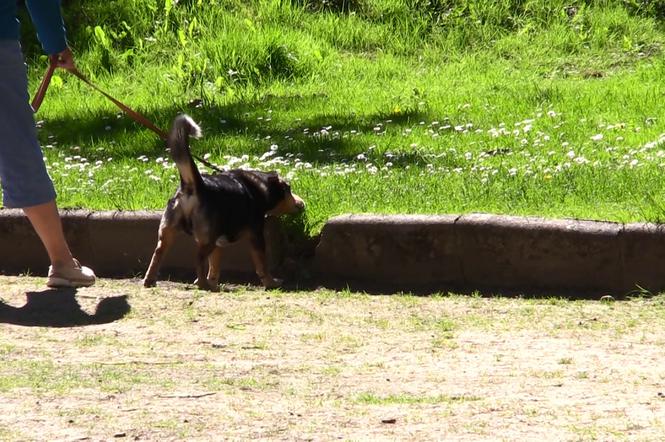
[597, 137]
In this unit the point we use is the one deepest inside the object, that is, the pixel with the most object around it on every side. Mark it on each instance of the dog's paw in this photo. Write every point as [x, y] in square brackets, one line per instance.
[214, 285]
[149, 282]
[206, 285]
[271, 283]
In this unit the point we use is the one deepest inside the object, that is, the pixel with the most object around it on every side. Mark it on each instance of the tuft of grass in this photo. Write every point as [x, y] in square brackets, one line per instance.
[409, 399]
[241, 384]
[6, 349]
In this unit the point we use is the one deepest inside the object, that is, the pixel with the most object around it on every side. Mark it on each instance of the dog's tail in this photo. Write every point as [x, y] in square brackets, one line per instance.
[178, 143]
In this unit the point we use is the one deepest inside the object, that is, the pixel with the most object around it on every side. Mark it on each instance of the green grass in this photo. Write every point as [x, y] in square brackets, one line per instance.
[383, 106]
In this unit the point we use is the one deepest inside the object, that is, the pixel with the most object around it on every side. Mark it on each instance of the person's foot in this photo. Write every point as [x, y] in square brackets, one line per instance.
[73, 276]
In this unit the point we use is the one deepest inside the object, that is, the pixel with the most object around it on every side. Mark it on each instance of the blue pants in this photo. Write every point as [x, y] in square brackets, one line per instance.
[25, 181]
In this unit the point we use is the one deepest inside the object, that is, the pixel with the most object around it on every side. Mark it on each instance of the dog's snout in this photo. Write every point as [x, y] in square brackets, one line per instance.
[299, 203]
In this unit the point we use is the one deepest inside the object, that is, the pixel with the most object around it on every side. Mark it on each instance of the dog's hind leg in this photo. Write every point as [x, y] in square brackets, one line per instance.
[164, 242]
[214, 263]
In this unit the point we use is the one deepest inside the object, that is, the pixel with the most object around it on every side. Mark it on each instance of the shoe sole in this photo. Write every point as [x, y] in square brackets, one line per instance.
[63, 282]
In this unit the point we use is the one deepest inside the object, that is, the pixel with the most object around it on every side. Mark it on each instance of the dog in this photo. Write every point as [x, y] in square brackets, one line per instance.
[219, 209]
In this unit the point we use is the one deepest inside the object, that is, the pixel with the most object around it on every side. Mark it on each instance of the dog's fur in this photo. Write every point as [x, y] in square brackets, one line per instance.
[219, 209]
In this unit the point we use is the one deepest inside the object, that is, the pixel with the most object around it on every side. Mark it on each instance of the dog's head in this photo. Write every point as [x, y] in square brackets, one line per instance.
[285, 201]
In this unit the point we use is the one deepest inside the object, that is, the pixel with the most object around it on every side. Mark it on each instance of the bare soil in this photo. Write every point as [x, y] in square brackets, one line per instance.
[120, 362]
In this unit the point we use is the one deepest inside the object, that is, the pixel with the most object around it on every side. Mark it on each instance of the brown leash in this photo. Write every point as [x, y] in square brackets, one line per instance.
[39, 96]
[41, 92]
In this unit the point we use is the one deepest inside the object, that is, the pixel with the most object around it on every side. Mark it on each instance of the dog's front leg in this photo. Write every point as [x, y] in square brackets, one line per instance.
[203, 252]
[164, 242]
[257, 251]
[214, 267]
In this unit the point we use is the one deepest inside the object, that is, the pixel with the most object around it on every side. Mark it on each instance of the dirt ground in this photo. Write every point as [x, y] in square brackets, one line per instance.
[120, 362]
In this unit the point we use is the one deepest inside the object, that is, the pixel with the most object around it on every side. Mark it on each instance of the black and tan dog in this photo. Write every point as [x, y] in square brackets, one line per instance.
[219, 209]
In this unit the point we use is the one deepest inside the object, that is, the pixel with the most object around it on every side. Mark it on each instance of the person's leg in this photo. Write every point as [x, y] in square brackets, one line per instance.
[25, 180]
[46, 221]
[65, 271]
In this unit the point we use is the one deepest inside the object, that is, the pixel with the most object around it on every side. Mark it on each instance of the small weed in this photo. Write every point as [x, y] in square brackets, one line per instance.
[582, 375]
[332, 371]
[93, 340]
[548, 374]
[373, 399]
[316, 337]
[239, 383]
[6, 349]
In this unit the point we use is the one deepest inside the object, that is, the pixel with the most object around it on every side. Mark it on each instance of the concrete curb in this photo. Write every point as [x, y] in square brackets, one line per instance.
[490, 251]
[411, 252]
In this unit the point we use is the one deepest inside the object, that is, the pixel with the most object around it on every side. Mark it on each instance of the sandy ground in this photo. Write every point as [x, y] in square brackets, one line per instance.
[119, 362]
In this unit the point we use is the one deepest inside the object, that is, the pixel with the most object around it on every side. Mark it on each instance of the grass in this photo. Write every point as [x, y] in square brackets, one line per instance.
[383, 106]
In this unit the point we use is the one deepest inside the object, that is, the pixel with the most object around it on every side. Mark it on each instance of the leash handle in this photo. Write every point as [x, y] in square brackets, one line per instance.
[43, 86]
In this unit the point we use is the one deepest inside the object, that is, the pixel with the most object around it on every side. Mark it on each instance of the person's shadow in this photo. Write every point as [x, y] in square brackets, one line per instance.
[59, 308]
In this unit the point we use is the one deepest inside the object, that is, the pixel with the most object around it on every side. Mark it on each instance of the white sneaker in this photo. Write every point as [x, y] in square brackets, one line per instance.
[75, 276]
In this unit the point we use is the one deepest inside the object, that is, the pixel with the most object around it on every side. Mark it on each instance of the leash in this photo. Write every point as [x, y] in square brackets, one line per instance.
[41, 92]
[139, 118]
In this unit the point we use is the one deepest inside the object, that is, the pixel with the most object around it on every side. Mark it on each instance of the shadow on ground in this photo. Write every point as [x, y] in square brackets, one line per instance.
[59, 308]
